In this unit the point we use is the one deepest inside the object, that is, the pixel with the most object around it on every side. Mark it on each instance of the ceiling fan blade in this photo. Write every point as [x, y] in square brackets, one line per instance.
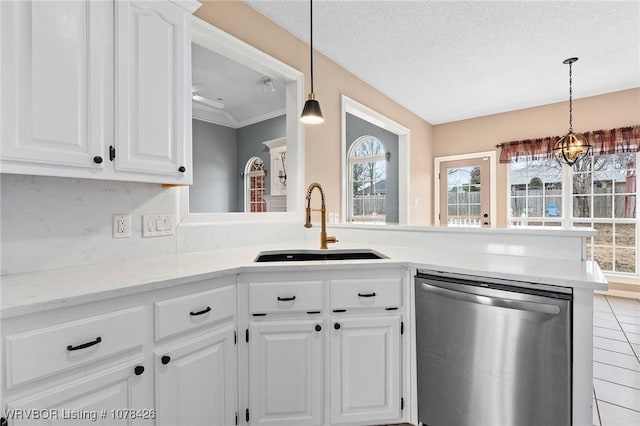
[208, 102]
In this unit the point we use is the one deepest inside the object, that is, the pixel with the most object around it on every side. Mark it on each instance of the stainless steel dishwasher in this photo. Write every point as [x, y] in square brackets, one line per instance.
[492, 352]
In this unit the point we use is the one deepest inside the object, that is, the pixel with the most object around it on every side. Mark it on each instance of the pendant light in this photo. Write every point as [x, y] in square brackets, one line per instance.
[311, 113]
[572, 146]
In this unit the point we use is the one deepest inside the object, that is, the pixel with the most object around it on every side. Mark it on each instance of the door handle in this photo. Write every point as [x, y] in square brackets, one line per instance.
[521, 305]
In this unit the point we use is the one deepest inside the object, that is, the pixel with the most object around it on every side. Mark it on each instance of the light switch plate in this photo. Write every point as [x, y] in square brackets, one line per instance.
[157, 225]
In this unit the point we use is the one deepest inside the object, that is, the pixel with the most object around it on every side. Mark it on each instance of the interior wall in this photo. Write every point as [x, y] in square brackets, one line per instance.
[356, 128]
[215, 170]
[606, 111]
[322, 142]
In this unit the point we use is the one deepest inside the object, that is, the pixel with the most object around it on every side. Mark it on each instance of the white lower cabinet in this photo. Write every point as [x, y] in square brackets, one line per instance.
[108, 397]
[285, 372]
[316, 348]
[332, 354]
[366, 369]
[196, 381]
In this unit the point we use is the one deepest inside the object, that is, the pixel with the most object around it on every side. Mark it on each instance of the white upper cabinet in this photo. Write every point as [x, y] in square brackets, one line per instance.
[153, 89]
[55, 82]
[97, 89]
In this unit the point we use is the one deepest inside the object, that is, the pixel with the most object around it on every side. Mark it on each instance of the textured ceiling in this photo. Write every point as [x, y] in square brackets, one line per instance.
[238, 88]
[450, 60]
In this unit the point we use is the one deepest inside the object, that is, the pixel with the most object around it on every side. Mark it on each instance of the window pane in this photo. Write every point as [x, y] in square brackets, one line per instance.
[603, 186]
[625, 260]
[605, 233]
[602, 206]
[604, 257]
[581, 183]
[517, 206]
[581, 206]
[625, 235]
[625, 206]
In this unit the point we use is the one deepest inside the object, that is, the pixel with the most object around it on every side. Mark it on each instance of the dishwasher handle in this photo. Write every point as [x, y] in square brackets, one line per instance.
[542, 308]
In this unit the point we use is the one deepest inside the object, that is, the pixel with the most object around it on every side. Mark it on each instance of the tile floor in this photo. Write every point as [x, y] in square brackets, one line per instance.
[616, 361]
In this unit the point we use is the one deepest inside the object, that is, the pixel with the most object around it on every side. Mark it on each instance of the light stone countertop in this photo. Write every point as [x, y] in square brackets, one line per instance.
[40, 291]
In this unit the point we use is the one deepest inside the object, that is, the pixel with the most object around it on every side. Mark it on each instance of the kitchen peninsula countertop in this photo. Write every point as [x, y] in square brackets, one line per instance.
[31, 292]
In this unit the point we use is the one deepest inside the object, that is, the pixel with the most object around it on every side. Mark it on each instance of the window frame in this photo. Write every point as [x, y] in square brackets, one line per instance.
[351, 161]
[567, 218]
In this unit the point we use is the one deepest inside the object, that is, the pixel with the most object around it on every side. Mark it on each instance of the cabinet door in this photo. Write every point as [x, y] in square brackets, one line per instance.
[153, 90]
[55, 76]
[109, 397]
[285, 373]
[196, 384]
[365, 369]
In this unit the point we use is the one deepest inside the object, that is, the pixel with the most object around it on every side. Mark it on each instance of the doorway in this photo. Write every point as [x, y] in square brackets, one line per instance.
[465, 195]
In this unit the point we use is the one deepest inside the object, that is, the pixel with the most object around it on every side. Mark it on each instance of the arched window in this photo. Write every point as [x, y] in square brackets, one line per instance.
[254, 184]
[367, 186]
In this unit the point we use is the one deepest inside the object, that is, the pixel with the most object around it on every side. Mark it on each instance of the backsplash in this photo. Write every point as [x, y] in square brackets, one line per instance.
[50, 223]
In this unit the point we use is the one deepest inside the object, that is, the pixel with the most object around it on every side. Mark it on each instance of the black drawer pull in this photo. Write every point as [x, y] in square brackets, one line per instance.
[318, 327]
[366, 294]
[286, 299]
[84, 345]
[204, 311]
[336, 326]
[166, 359]
[339, 310]
[182, 169]
[97, 159]
[138, 370]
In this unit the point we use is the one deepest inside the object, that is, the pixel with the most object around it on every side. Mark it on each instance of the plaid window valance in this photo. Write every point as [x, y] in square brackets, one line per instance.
[614, 141]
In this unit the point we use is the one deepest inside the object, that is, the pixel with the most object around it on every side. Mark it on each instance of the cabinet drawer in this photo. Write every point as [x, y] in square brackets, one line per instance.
[366, 293]
[301, 296]
[46, 351]
[195, 310]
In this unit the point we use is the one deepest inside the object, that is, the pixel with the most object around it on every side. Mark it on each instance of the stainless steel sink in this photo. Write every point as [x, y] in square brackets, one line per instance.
[314, 255]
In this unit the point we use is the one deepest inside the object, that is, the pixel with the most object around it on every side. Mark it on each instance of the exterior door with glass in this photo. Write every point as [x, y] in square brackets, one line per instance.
[465, 193]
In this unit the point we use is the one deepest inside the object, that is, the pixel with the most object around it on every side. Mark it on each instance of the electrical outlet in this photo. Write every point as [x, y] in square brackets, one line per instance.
[121, 226]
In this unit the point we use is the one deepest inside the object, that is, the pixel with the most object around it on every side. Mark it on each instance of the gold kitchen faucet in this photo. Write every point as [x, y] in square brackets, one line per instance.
[323, 213]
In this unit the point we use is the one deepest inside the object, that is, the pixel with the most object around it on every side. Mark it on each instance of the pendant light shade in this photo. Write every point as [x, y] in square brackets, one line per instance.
[573, 146]
[311, 113]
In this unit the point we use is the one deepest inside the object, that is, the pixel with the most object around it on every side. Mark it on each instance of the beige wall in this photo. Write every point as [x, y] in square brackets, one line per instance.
[483, 134]
[322, 142]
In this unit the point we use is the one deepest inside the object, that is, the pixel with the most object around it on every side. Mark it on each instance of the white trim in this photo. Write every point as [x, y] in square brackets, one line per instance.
[493, 184]
[263, 117]
[214, 39]
[348, 105]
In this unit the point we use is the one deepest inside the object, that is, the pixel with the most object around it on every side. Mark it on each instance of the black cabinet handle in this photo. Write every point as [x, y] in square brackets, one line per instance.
[165, 359]
[204, 311]
[182, 169]
[336, 326]
[97, 159]
[84, 345]
[138, 370]
[286, 299]
[318, 327]
[366, 294]
[112, 153]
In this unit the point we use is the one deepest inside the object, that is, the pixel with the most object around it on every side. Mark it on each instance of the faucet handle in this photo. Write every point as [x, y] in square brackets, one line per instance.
[332, 240]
